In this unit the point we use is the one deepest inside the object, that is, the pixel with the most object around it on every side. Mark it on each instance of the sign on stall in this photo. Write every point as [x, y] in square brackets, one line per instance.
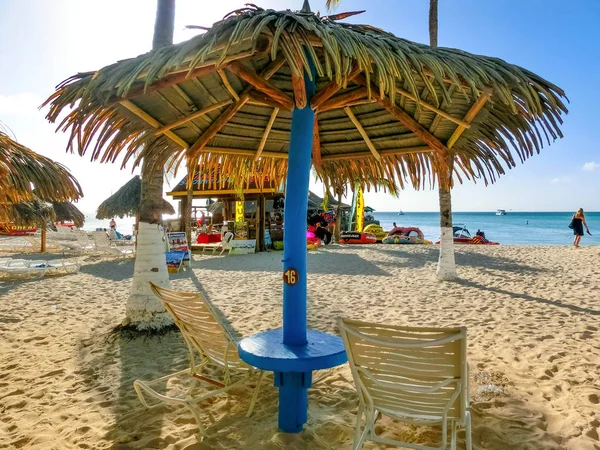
[245, 247]
[177, 241]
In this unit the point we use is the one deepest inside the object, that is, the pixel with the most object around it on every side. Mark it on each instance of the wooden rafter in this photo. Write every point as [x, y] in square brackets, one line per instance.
[316, 148]
[383, 153]
[192, 116]
[430, 107]
[265, 135]
[227, 85]
[407, 120]
[231, 110]
[471, 114]
[330, 90]
[258, 98]
[299, 91]
[261, 84]
[363, 133]
[152, 122]
[342, 100]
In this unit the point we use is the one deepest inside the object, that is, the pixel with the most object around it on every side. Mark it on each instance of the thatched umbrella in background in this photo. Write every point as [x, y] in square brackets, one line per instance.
[68, 212]
[39, 213]
[126, 202]
[22, 171]
[262, 91]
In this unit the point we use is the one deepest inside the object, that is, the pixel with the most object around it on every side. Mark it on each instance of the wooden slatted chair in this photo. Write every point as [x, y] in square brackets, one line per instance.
[205, 335]
[414, 375]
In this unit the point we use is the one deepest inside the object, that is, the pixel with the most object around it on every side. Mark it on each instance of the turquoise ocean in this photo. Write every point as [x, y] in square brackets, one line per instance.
[515, 228]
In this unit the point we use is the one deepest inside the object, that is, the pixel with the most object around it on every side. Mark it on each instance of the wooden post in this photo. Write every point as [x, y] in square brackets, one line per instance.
[260, 219]
[43, 247]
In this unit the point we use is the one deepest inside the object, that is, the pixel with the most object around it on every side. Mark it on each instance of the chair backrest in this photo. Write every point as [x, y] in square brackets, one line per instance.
[226, 244]
[201, 327]
[82, 238]
[101, 239]
[407, 368]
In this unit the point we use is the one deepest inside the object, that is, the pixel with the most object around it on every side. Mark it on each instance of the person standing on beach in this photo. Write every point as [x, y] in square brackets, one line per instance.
[113, 224]
[578, 223]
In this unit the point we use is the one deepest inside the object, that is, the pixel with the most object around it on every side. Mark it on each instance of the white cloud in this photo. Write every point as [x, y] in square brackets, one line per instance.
[21, 104]
[561, 180]
[591, 166]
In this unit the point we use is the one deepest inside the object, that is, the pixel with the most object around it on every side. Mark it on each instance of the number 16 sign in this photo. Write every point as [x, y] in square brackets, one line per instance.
[291, 276]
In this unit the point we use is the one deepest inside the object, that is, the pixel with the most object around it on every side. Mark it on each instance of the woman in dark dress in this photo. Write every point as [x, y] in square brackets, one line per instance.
[578, 224]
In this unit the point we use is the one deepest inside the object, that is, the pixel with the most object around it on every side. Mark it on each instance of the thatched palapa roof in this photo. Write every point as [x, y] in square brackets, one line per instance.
[22, 171]
[387, 108]
[38, 212]
[126, 202]
[68, 212]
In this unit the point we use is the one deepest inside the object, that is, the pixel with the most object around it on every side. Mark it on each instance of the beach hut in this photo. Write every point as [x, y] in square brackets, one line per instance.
[257, 195]
[126, 202]
[266, 92]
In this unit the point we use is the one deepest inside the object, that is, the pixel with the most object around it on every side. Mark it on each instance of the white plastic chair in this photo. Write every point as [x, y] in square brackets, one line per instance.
[414, 375]
[226, 243]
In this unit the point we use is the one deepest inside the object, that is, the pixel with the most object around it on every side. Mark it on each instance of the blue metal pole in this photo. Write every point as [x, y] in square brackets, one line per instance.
[294, 229]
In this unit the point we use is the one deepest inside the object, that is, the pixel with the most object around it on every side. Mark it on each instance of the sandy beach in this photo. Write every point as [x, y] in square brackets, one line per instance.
[533, 342]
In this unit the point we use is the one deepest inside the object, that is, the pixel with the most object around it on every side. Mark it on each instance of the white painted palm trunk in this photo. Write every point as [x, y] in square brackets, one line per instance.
[446, 268]
[144, 310]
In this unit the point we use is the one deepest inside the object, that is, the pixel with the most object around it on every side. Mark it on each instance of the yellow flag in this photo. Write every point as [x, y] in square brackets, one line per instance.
[360, 210]
[239, 211]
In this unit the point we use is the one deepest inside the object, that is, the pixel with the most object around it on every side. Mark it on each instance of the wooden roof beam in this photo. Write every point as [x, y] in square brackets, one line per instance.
[261, 84]
[363, 133]
[342, 100]
[316, 148]
[436, 110]
[265, 135]
[192, 116]
[408, 121]
[471, 114]
[331, 89]
[227, 85]
[389, 152]
[139, 112]
[231, 110]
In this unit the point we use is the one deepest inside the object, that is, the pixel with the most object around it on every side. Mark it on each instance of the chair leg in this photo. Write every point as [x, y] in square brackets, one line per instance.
[454, 426]
[360, 435]
[255, 394]
[468, 430]
[195, 412]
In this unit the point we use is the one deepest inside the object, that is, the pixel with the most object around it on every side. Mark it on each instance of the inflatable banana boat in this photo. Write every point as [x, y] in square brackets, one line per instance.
[354, 237]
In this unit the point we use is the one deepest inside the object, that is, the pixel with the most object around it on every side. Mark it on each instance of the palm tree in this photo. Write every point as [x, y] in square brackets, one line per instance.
[446, 269]
[144, 311]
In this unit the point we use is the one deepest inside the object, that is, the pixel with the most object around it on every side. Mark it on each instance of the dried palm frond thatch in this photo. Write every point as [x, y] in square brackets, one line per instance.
[22, 171]
[126, 202]
[33, 213]
[387, 108]
[68, 212]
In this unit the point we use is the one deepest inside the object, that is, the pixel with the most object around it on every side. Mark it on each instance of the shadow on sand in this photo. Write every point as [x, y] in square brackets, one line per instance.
[527, 297]
[464, 257]
[338, 264]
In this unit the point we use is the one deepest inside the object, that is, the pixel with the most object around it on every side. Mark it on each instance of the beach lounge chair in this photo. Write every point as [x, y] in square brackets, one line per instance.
[103, 244]
[224, 245]
[414, 375]
[205, 335]
[21, 268]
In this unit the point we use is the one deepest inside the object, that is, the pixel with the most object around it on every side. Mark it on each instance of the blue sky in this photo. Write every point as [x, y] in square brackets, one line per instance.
[43, 42]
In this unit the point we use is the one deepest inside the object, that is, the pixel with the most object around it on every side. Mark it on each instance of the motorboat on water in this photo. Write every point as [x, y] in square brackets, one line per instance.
[463, 236]
[501, 212]
[400, 213]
